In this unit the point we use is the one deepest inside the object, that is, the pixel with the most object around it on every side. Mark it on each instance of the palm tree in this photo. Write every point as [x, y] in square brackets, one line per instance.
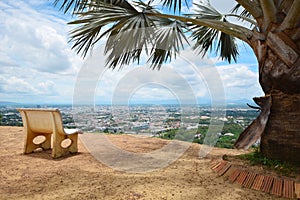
[272, 31]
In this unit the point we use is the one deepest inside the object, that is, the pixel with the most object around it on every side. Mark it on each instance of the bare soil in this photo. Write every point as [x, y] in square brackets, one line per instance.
[81, 176]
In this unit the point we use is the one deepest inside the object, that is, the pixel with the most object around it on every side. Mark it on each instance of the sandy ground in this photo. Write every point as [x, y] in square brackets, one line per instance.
[81, 176]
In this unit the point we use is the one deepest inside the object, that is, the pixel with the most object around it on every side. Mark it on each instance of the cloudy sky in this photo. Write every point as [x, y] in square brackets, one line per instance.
[38, 66]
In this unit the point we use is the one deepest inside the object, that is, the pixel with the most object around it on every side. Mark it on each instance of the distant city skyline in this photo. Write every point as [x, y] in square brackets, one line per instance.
[37, 66]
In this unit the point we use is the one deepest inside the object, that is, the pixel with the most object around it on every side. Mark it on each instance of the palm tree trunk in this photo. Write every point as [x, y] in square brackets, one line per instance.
[279, 75]
[281, 138]
[280, 78]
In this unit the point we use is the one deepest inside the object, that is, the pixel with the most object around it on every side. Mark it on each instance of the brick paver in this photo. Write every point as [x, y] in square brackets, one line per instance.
[288, 189]
[267, 184]
[216, 166]
[219, 167]
[234, 175]
[259, 179]
[249, 180]
[224, 169]
[242, 177]
[297, 190]
[277, 187]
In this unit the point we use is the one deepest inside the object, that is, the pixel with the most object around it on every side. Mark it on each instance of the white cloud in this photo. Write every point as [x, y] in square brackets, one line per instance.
[34, 39]
[219, 5]
[14, 84]
[178, 79]
[5, 60]
[36, 61]
[46, 86]
[239, 81]
[223, 6]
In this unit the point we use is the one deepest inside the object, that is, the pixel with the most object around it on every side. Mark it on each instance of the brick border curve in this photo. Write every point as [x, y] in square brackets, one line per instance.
[281, 187]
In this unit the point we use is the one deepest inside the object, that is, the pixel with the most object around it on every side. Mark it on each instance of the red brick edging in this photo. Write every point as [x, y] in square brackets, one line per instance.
[282, 187]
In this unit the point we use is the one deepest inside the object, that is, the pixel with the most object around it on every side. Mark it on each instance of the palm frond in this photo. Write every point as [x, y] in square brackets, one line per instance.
[206, 38]
[80, 5]
[240, 13]
[91, 23]
[205, 11]
[243, 18]
[244, 12]
[128, 39]
[175, 4]
[145, 7]
[167, 44]
[74, 5]
[227, 47]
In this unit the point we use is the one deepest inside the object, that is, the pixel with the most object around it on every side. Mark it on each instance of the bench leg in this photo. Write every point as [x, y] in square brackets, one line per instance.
[58, 150]
[74, 146]
[30, 146]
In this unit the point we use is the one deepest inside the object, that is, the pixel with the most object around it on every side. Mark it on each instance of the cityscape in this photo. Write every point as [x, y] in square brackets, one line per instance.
[163, 121]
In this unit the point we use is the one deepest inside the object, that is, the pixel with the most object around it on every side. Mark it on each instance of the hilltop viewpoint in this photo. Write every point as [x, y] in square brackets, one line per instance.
[81, 176]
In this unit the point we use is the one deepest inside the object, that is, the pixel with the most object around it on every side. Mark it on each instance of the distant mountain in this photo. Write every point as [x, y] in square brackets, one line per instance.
[240, 102]
[8, 103]
[202, 102]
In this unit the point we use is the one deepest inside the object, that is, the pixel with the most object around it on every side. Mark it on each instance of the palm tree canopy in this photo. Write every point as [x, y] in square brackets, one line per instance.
[135, 27]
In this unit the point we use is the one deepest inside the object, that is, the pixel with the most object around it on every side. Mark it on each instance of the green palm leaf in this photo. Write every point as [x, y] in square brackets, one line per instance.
[80, 5]
[176, 4]
[145, 6]
[227, 47]
[244, 12]
[206, 38]
[128, 39]
[167, 44]
[75, 5]
[244, 15]
[91, 22]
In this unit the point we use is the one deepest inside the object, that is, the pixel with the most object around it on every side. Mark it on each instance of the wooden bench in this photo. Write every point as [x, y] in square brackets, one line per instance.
[47, 123]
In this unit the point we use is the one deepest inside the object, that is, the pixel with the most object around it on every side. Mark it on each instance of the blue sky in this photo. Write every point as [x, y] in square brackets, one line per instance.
[38, 66]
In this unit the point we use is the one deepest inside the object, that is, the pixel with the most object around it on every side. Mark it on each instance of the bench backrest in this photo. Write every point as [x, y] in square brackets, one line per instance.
[42, 120]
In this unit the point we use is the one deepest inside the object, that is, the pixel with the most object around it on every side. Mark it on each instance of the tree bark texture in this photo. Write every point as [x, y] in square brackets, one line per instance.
[281, 137]
[280, 78]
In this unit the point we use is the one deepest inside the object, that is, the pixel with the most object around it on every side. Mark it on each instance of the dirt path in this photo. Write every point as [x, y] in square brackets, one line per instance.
[81, 176]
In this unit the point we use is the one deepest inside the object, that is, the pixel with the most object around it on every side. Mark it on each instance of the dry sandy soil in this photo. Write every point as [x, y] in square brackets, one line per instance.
[81, 176]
